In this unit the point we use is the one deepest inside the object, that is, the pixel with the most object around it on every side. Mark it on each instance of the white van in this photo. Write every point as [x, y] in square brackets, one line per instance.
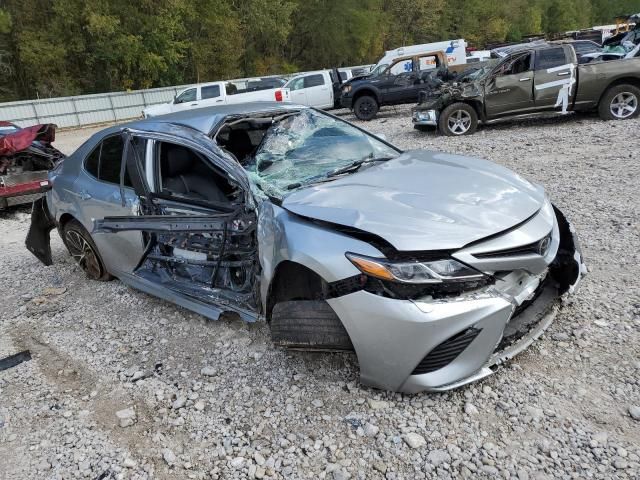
[456, 51]
[216, 93]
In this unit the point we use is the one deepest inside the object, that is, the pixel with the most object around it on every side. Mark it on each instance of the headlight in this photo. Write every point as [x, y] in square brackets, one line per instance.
[437, 271]
[346, 89]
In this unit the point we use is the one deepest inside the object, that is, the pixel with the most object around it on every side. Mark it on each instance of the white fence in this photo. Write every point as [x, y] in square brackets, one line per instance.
[83, 110]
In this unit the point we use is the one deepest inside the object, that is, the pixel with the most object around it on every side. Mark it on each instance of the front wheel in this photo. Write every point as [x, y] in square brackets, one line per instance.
[84, 251]
[365, 107]
[620, 103]
[458, 119]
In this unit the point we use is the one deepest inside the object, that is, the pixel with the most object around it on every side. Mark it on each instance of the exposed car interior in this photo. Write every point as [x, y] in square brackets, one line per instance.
[241, 138]
[185, 173]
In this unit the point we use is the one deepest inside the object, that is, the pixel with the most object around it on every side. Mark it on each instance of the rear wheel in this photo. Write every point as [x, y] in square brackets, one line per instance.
[84, 251]
[458, 119]
[365, 107]
[620, 103]
[308, 325]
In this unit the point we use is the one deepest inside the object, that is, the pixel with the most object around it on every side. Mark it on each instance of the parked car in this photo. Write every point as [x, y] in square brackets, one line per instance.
[26, 155]
[537, 80]
[320, 89]
[398, 83]
[435, 268]
[314, 89]
[221, 93]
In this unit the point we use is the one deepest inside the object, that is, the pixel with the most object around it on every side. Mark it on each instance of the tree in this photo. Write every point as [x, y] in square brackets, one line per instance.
[66, 47]
[329, 33]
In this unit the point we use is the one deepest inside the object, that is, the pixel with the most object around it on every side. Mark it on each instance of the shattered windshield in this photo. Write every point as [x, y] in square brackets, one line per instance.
[307, 147]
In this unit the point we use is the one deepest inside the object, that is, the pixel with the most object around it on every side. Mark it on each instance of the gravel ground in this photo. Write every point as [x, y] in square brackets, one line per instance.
[122, 385]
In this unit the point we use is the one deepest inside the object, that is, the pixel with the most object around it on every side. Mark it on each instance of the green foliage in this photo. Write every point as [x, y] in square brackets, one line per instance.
[65, 47]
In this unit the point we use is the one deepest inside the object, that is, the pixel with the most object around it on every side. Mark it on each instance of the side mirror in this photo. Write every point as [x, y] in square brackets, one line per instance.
[175, 99]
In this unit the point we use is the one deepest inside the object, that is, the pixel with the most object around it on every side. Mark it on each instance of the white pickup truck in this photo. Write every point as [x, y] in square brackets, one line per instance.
[320, 89]
[217, 93]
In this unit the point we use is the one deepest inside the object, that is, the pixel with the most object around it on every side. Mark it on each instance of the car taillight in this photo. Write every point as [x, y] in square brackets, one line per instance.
[278, 95]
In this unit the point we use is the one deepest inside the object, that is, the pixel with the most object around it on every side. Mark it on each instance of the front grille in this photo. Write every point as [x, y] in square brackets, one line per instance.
[446, 352]
[536, 248]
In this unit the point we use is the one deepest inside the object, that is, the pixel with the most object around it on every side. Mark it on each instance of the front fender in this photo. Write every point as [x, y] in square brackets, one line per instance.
[283, 236]
[368, 90]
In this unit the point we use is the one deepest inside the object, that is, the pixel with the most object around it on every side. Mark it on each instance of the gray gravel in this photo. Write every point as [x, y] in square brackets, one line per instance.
[122, 385]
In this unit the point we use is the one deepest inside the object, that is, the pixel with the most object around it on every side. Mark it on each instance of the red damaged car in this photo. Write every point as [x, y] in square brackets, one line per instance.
[26, 155]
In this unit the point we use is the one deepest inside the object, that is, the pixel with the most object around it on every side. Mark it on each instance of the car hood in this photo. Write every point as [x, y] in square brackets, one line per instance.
[423, 200]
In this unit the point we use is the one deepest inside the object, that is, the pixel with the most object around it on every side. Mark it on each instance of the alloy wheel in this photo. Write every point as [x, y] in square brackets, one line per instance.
[366, 107]
[84, 254]
[624, 105]
[459, 122]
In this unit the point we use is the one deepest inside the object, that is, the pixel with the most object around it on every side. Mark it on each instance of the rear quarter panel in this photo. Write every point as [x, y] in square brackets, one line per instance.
[595, 78]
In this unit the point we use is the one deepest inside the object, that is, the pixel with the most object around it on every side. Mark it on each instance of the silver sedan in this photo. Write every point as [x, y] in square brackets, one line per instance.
[434, 268]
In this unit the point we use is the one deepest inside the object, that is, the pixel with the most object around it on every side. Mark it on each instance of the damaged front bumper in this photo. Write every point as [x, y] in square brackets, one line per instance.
[437, 345]
[425, 117]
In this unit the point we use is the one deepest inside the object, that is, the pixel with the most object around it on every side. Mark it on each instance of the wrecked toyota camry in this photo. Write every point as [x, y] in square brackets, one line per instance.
[434, 268]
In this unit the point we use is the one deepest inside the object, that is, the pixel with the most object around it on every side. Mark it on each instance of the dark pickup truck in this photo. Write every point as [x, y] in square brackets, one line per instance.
[400, 82]
[541, 79]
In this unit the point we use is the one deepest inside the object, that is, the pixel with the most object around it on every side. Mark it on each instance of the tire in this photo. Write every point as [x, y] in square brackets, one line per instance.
[458, 119]
[84, 251]
[365, 107]
[627, 99]
[308, 325]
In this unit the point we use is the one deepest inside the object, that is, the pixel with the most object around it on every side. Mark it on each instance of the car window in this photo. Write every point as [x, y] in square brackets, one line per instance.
[297, 84]
[185, 174]
[313, 81]
[549, 58]
[105, 160]
[111, 159]
[516, 65]
[210, 91]
[379, 69]
[585, 47]
[403, 66]
[187, 96]
[428, 62]
[92, 162]
[343, 76]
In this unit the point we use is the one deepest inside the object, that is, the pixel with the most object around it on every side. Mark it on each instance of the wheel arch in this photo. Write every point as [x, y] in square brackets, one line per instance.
[64, 219]
[635, 81]
[294, 281]
[369, 91]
